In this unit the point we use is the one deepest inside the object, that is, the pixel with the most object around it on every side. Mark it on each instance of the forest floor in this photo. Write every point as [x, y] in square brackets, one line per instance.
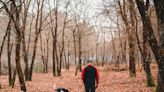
[110, 81]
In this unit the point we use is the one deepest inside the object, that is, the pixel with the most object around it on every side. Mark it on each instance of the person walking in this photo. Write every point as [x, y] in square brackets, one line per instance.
[90, 75]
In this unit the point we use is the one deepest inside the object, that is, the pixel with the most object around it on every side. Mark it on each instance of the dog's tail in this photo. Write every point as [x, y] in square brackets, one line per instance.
[54, 87]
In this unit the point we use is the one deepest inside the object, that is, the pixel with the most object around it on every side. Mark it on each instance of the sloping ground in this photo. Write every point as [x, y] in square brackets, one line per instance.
[110, 81]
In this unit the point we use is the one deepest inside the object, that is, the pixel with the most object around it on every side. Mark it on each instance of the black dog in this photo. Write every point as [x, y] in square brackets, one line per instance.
[61, 90]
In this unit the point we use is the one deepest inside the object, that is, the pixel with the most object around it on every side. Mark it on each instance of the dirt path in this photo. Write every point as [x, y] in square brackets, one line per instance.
[110, 81]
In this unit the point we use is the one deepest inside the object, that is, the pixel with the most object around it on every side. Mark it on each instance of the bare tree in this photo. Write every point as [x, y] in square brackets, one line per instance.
[4, 38]
[24, 50]
[15, 16]
[145, 52]
[150, 37]
[44, 48]
[38, 29]
[63, 36]
[129, 30]
[97, 44]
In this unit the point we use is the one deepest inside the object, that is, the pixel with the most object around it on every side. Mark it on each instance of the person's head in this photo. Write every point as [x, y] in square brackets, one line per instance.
[89, 62]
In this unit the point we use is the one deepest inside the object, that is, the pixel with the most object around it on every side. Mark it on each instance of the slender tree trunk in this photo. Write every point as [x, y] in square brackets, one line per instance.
[38, 29]
[132, 70]
[123, 12]
[42, 49]
[53, 57]
[4, 38]
[159, 6]
[13, 78]
[68, 56]
[79, 56]
[145, 58]
[9, 50]
[26, 72]
[74, 42]
[25, 57]
[103, 61]
[146, 65]
[15, 16]
[47, 55]
[17, 59]
[17, 50]
[68, 60]
[158, 50]
[25, 52]
[65, 59]
[123, 52]
[33, 58]
[97, 52]
[132, 67]
[54, 33]
[80, 53]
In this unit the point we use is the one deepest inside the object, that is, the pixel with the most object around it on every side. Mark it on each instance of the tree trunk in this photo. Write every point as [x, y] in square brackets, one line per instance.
[33, 58]
[13, 78]
[26, 72]
[15, 16]
[17, 59]
[132, 70]
[147, 70]
[74, 43]
[53, 58]
[38, 29]
[47, 55]
[4, 38]
[79, 56]
[159, 6]
[42, 49]
[68, 60]
[97, 53]
[80, 53]
[145, 58]
[103, 60]
[131, 39]
[68, 56]
[9, 50]
[129, 28]
[158, 50]
[25, 57]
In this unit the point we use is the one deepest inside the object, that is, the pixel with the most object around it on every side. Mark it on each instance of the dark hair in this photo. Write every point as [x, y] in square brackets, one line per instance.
[89, 61]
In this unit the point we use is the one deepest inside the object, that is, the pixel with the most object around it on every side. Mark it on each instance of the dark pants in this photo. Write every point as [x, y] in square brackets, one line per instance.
[89, 88]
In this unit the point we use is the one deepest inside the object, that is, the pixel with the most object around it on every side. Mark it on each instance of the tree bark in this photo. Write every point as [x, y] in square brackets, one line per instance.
[132, 67]
[129, 29]
[17, 58]
[9, 50]
[145, 58]
[159, 7]
[158, 49]
[38, 29]
[4, 38]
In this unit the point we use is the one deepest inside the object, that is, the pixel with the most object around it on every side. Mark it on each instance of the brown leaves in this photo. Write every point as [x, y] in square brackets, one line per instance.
[110, 81]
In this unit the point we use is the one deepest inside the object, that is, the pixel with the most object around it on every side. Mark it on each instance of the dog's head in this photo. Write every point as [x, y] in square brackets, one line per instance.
[61, 90]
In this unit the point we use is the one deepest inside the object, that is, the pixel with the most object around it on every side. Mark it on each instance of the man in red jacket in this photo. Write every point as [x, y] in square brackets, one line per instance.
[89, 76]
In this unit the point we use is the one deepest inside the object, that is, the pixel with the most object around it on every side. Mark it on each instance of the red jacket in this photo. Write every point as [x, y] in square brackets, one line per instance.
[84, 72]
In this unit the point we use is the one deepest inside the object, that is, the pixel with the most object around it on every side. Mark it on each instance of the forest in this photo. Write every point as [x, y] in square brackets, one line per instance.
[46, 44]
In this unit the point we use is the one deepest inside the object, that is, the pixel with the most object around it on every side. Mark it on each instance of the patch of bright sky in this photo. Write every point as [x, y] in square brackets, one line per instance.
[88, 10]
